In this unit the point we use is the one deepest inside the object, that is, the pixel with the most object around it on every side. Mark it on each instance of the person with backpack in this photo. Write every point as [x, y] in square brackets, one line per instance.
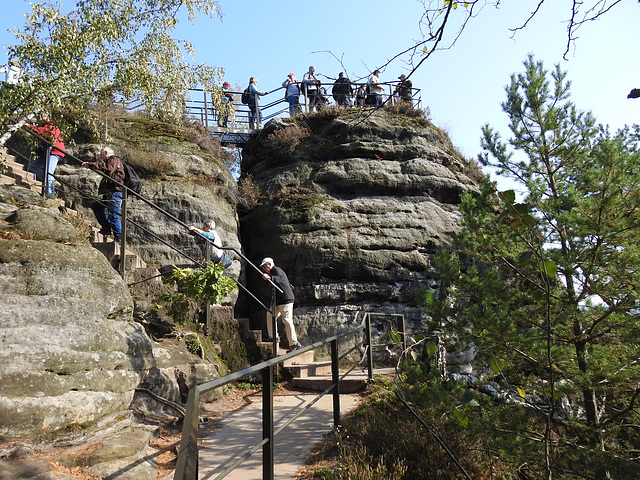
[292, 94]
[342, 90]
[107, 211]
[404, 89]
[254, 103]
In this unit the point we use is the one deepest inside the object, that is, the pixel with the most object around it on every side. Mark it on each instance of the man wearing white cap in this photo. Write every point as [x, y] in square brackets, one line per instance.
[284, 301]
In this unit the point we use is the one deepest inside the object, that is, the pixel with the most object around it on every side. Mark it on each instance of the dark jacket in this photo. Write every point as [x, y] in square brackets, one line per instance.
[342, 86]
[113, 167]
[280, 279]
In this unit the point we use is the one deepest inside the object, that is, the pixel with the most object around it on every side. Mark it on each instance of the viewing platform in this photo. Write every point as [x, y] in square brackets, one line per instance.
[234, 130]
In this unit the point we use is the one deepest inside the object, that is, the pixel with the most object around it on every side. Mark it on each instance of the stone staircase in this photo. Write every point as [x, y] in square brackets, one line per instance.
[306, 372]
[17, 175]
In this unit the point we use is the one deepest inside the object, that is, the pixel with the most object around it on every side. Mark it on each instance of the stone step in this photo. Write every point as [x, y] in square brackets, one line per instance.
[354, 382]
[321, 383]
[111, 250]
[311, 369]
[302, 359]
[17, 174]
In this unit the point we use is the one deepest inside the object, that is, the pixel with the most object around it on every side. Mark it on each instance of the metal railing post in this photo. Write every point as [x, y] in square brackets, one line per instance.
[335, 374]
[206, 110]
[268, 467]
[207, 305]
[123, 233]
[258, 119]
[45, 186]
[274, 322]
[369, 346]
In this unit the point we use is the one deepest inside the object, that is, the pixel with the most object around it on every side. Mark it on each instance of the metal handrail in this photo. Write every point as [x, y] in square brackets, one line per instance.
[187, 461]
[126, 192]
[208, 114]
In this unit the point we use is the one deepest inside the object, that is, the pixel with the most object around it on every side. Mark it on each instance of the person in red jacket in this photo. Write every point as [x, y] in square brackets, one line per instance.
[48, 156]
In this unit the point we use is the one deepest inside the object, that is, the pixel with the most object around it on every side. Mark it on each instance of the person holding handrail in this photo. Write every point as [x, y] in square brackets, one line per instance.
[284, 302]
[254, 103]
[342, 90]
[227, 105]
[47, 158]
[292, 94]
[311, 88]
[375, 89]
[111, 193]
[208, 232]
[404, 89]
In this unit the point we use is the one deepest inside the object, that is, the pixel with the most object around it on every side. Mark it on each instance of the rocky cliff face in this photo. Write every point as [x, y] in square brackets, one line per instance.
[354, 206]
[352, 209]
[70, 353]
[184, 180]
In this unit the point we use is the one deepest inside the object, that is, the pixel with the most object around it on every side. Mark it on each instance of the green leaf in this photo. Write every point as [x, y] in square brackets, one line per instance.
[508, 196]
[431, 348]
[521, 393]
[461, 417]
[524, 257]
[548, 267]
[395, 337]
[496, 364]
[414, 355]
[468, 397]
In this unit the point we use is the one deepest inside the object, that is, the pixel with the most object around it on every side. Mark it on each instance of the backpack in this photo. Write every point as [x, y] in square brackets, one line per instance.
[131, 178]
[245, 96]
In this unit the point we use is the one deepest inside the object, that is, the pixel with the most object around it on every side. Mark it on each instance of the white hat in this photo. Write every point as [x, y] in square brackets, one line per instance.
[266, 260]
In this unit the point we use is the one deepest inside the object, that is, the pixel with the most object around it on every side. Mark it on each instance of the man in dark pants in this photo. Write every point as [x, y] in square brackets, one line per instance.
[284, 302]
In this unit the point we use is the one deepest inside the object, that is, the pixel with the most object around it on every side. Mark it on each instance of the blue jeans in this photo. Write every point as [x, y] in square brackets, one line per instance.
[294, 105]
[343, 100]
[38, 167]
[253, 116]
[111, 217]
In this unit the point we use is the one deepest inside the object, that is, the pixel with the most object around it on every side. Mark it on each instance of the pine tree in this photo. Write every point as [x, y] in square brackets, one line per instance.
[545, 284]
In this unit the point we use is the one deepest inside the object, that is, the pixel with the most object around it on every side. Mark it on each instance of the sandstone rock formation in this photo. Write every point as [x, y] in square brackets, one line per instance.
[187, 183]
[354, 206]
[70, 353]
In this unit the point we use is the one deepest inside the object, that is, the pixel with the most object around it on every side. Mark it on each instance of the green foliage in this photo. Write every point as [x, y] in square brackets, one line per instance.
[545, 286]
[193, 344]
[203, 285]
[297, 200]
[104, 48]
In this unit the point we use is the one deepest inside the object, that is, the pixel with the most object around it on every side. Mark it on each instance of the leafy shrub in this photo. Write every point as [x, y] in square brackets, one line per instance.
[249, 193]
[203, 285]
[423, 117]
[285, 139]
[473, 171]
[148, 164]
[198, 134]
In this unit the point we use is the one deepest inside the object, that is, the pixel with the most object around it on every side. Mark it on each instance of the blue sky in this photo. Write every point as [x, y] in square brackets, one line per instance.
[462, 86]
